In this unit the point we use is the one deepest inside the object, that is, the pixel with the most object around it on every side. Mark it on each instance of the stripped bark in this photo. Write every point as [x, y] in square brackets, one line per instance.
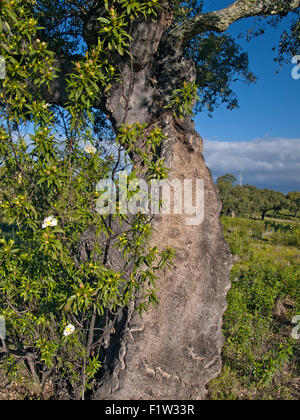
[175, 350]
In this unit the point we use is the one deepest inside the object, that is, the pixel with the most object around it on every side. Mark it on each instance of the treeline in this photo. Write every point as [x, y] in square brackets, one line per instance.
[251, 201]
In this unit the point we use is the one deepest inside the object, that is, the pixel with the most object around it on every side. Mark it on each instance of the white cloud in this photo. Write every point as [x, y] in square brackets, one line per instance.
[267, 163]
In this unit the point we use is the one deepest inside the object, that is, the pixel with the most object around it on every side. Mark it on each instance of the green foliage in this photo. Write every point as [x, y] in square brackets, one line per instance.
[249, 200]
[219, 59]
[286, 234]
[183, 100]
[220, 62]
[64, 27]
[269, 200]
[225, 185]
[249, 321]
[58, 296]
[260, 357]
[184, 10]
[144, 144]
[290, 39]
[293, 202]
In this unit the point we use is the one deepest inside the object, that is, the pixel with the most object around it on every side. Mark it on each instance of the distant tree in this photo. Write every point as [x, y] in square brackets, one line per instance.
[247, 200]
[245, 204]
[267, 200]
[236, 200]
[293, 202]
[225, 185]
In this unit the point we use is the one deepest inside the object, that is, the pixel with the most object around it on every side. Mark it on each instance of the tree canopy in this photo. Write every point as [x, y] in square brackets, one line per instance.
[248, 200]
[69, 29]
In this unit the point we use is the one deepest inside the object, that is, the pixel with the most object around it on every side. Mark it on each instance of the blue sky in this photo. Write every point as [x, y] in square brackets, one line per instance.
[268, 115]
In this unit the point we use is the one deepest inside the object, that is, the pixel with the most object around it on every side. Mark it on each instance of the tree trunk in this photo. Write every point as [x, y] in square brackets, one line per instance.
[175, 350]
[231, 213]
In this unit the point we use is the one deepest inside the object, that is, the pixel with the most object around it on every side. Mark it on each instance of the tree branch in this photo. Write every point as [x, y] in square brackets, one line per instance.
[220, 20]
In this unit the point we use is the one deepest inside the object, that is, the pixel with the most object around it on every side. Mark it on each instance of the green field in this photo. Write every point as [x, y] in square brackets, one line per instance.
[260, 357]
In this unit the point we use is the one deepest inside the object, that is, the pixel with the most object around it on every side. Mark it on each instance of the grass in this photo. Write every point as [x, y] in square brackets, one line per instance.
[260, 357]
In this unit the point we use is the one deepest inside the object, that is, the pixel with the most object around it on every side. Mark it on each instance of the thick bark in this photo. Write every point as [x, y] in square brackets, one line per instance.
[175, 350]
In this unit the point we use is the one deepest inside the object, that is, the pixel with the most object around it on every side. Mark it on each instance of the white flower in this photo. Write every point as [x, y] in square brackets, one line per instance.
[49, 221]
[69, 330]
[19, 178]
[91, 150]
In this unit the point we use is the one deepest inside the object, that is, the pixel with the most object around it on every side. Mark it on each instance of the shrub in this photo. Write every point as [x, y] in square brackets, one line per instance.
[58, 292]
[259, 355]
